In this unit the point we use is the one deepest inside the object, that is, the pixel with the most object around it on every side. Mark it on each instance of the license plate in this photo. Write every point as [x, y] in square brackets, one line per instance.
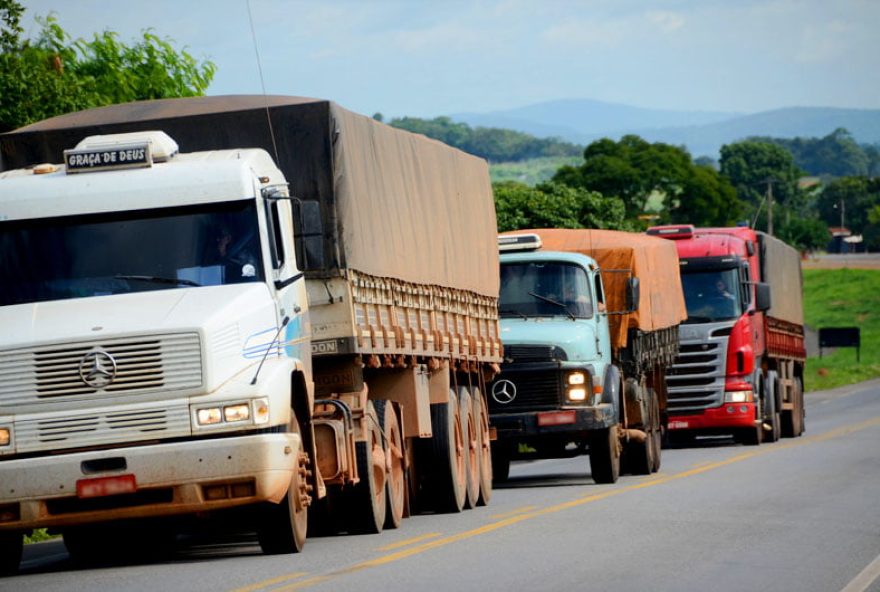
[678, 425]
[552, 418]
[103, 486]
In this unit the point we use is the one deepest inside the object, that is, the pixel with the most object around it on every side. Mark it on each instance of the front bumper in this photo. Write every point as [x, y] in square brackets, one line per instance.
[552, 424]
[171, 480]
[728, 417]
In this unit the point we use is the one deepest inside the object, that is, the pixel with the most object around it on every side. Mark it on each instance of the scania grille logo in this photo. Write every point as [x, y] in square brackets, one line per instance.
[97, 368]
[504, 392]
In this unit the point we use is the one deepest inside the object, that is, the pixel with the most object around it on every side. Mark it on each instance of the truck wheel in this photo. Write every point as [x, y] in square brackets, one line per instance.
[656, 435]
[500, 463]
[449, 473]
[282, 527]
[481, 420]
[638, 457]
[793, 420]
[605, 455]
[750, 436]
[471, 441]
[771, 410]
[395, 484]
[11, 546]
[366, 499]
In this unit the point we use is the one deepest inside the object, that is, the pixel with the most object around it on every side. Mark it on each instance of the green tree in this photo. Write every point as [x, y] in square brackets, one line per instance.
[837, 154]
[755, 168]
[552, 205]
[55, 74]
[850, 198]
[805, 233]
[640, 173]
[706, 199]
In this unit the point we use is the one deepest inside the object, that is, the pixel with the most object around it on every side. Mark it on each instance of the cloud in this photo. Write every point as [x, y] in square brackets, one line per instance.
[665, 21]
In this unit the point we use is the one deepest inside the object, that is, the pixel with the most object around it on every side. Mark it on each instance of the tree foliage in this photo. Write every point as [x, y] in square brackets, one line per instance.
[55, 74]
[837, 154]
[553, 205]
[493, 144]
[636, 171]
[853, 196]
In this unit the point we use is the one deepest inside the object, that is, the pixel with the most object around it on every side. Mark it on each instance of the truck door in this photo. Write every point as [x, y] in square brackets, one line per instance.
[603, 336]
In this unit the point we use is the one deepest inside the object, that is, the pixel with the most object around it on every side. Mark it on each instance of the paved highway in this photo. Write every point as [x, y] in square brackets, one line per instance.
[800, 514]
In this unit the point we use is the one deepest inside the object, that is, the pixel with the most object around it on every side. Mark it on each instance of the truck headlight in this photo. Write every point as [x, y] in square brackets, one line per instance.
[739, 397]
[576, 378]
[240, 412]
[5, 436]
[209, 416]
[577, 395]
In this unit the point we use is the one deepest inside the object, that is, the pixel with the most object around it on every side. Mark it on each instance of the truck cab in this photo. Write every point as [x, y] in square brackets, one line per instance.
[558, 384]
[716, 385]
[153, 316]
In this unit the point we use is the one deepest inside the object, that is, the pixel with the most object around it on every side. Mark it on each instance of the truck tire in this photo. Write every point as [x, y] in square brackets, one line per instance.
[448, 472]
[365, 500]
[283, 527]
[656, 435]
[793, 420]
[605, 455]
[11, 547]
[471, 440]
[638, 457]
[481, 420]
[772, 415]
[501, 455]
[395, 465]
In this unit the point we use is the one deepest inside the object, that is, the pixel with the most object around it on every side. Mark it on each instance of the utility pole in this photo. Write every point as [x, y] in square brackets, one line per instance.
[842, 211]
[770, 206]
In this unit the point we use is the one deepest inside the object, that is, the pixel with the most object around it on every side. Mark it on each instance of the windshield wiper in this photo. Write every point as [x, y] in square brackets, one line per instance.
[158, 280]
[556, 302]
[516, 312]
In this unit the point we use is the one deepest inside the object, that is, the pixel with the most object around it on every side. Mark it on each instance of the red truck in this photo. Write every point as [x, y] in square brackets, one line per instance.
[741, 359]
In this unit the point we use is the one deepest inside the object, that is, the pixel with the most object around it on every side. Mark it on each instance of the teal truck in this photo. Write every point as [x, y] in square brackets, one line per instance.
[589, 324]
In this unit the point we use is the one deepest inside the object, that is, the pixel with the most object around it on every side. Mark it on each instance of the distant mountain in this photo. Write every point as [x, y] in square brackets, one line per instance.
[579, 119]
[702, 132]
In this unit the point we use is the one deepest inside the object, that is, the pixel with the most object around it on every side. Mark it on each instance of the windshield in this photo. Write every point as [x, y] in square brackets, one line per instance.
[712, 295]
[544, 288]
[121, 252]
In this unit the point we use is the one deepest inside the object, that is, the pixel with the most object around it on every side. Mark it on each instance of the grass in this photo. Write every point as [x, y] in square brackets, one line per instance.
[843, 298]
[532, 171]
[40, 534]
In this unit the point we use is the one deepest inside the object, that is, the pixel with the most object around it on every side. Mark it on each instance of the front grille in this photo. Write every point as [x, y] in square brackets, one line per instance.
[83, 429]
[535, 391]
[144, 364]
[696, 380]
[533, 353]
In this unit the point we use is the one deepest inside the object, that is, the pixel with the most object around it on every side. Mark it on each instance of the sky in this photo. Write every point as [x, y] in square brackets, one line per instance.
[437, 57]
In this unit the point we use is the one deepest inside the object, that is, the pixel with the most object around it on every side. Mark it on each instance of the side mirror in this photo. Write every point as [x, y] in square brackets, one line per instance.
[308, 234]
[762, 297]
[632, 294]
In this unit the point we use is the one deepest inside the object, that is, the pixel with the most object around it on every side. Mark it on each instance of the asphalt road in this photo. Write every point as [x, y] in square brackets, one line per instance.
[801, 514]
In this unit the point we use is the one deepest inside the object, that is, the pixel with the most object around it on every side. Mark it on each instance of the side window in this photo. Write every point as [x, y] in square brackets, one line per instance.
[600, 295]
[276, 245]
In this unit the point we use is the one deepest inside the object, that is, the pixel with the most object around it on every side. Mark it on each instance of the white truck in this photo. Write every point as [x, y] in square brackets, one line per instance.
[281, 342]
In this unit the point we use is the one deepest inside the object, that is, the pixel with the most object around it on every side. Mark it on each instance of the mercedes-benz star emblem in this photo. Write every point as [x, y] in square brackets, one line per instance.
[97, 368]
[504, 391]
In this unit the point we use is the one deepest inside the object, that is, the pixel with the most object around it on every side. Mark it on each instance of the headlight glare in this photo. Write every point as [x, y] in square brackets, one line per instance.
[209, 416]
[240, 412]
[5, 436]
[576, 378]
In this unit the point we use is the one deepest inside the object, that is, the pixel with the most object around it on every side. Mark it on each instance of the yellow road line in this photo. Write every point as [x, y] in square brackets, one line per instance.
[406, 542]
[522, 510]
[510, 521]
[273, 581]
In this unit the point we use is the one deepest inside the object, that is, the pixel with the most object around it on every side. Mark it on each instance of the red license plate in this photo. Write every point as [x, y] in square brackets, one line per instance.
[552, 418]
[102, 486]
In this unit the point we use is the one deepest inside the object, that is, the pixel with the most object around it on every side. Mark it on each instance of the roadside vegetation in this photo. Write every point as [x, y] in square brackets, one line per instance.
[843, 298]
[531, 172]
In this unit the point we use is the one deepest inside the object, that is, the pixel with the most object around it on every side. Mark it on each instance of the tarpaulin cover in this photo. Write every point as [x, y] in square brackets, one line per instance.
[781, 268]
[393, 204]
[653, 260]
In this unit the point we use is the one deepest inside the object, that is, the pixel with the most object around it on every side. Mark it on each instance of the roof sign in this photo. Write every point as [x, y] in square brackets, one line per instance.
[519, 242]
[122, 156]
